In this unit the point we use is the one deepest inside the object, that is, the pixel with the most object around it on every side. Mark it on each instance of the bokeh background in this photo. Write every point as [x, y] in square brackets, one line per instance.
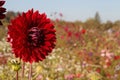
[88, 41]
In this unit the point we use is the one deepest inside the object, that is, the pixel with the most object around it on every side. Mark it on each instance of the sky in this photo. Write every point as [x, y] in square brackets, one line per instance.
[72, 10]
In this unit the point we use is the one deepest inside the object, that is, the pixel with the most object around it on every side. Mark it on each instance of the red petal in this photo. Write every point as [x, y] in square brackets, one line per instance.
[49, 36]
[49, 26]
[40, 55]
[2, 16]
[35, 16]
[2, 2]
[1, 23]
[47, 43]
[2, 10]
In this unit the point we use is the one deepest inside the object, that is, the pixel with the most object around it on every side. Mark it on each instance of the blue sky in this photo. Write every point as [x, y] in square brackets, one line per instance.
[71, 9]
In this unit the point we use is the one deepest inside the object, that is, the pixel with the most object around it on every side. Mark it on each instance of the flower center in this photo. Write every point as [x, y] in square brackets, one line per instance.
[35, 37]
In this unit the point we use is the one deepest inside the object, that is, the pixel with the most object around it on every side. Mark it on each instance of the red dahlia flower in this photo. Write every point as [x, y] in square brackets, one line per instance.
[32, 36]
[2, 10]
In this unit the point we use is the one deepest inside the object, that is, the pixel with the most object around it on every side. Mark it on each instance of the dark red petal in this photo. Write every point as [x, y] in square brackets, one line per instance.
[49, 26]
[47, 43]
[2, 2]
[47, 49]
[35, 16]
[34, 57]
[1, 23]
[29, 16]
[2, 10]
[49, 36]
[49, 31]
[26, 55]
[40, 54]
[2, 16]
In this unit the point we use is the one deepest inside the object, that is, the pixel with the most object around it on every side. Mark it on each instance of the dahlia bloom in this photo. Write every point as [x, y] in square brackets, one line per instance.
[32, 36]
[2, 10]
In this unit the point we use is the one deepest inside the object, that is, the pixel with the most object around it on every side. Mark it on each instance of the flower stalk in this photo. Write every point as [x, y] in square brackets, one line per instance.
[16, 75]
[23, 68]
[30, 72]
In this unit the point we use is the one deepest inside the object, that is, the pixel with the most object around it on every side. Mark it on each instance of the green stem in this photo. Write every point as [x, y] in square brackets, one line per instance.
[23, 68]
[30, 72]
[16, 75]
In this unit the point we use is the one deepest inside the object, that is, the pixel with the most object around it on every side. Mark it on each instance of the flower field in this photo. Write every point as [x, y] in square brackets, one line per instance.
[77, 50]
[84, 51]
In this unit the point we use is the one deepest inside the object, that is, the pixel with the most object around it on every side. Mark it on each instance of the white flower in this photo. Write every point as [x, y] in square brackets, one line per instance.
[103, 54]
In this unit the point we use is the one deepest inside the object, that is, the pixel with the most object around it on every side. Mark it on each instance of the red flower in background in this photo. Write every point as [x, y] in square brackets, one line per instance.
[78, 75]
[116, 57]
[69, 34]
[77, 34]
[2, 10]
[98, 70]
[66, 29]
[83, 31]
[32, 36]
